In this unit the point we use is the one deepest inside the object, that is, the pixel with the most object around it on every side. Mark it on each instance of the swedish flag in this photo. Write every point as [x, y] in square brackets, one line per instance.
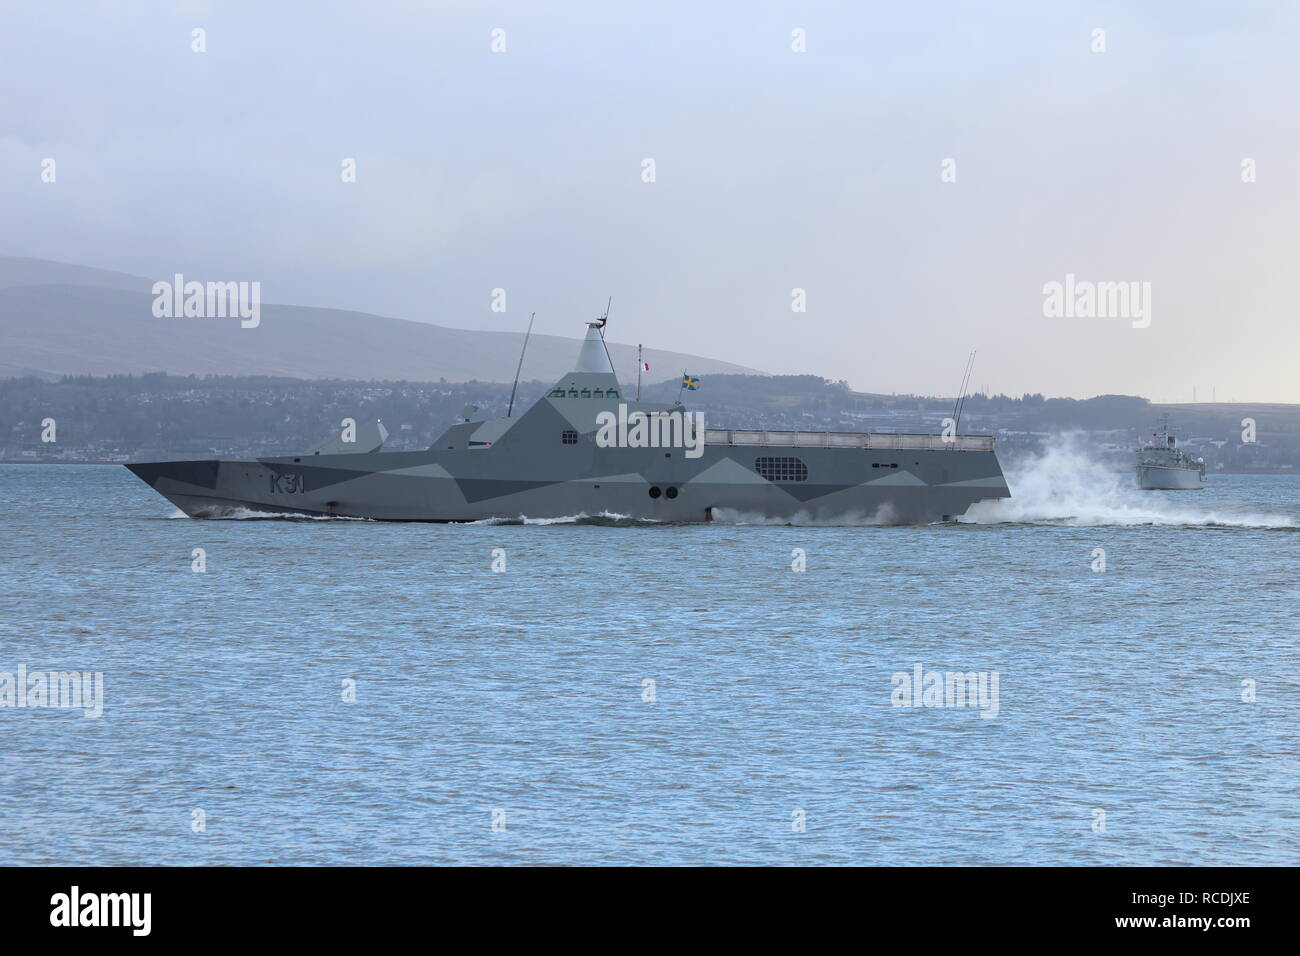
[690, 384]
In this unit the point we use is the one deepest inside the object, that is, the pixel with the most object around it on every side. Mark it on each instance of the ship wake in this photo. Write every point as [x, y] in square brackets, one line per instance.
[605, 519]
[883, 515]
[241, 513]
[1066, 486]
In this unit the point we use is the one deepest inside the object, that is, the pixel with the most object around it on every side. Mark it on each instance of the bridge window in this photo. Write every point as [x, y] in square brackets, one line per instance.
[557, 393]
[569, 437]
[612, 393]
[781, 469]
[573, 393]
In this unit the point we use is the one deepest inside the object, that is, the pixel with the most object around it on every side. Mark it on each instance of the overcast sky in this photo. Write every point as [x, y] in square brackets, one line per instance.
[774, 170]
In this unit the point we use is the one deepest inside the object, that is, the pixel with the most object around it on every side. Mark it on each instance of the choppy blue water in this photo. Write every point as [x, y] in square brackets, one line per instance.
[524, 691]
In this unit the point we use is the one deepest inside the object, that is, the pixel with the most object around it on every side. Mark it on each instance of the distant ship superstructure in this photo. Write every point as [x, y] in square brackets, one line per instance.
[555, 460]
[1163, 466]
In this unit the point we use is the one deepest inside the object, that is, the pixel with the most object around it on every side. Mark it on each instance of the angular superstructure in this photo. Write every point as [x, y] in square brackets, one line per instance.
[587, 448]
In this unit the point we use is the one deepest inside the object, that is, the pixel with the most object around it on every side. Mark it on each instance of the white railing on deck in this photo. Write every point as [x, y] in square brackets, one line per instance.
[740, 436]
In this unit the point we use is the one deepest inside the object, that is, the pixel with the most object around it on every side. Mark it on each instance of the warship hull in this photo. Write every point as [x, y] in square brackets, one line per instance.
[585, 449]
[873, 486]
[1167, 478]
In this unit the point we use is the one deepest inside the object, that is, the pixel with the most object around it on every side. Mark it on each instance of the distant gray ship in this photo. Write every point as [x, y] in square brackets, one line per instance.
[1162, 466]
[585, 448]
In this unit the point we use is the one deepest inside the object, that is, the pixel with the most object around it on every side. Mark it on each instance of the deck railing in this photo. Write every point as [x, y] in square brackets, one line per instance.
[882, 442]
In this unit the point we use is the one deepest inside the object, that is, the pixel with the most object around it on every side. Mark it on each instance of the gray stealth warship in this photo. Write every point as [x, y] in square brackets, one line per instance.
[562, 457]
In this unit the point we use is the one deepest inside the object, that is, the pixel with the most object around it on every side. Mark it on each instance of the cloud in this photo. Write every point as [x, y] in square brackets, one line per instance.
[775, 170]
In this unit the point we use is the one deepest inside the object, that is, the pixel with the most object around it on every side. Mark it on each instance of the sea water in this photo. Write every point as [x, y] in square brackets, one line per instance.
[597, 690]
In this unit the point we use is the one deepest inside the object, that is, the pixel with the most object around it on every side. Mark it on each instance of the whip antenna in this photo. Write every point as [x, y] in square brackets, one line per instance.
[961, 395]
[520, 366]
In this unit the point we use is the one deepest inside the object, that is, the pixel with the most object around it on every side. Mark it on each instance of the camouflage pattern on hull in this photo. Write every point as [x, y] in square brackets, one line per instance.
[547, 463]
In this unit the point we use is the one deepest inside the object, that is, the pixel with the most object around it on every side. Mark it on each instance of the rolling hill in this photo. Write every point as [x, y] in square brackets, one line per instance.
[59, 319]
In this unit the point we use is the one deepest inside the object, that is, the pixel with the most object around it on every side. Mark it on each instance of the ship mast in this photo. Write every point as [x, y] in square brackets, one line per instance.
[599, 326]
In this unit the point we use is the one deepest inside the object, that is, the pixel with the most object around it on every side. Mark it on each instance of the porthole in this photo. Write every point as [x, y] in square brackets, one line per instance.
[654, 491]
[671, 492]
